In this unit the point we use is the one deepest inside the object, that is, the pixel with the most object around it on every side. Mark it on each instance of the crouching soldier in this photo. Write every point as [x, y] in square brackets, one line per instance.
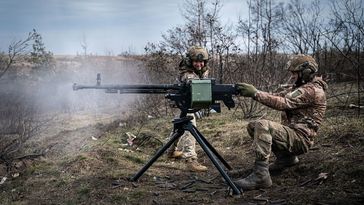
[303, 107]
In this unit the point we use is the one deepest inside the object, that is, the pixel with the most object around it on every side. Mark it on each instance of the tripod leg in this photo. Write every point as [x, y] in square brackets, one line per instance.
[198, 136]
[174, 137]
[213, 149]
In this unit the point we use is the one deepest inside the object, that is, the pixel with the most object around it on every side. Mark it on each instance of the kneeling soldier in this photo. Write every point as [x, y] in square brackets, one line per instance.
[303, 107]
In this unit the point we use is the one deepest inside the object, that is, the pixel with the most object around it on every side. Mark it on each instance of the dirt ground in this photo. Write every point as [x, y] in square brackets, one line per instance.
[93, 164]
[88, 158]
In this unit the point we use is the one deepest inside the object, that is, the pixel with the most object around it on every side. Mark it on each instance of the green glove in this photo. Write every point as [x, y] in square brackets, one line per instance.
[246, 90]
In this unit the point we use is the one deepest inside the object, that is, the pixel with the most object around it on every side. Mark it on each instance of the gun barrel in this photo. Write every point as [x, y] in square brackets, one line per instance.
[142, 88]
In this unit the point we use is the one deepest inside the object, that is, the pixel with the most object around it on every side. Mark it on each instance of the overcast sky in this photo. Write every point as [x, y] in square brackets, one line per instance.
[108, 26]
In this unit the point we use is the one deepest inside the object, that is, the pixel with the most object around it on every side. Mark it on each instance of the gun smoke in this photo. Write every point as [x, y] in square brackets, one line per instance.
[43, 101]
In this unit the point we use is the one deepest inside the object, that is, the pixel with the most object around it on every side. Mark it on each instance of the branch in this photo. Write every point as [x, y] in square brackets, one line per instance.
[16, 49]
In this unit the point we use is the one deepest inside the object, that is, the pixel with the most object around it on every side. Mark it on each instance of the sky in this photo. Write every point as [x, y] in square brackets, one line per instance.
[108, 27]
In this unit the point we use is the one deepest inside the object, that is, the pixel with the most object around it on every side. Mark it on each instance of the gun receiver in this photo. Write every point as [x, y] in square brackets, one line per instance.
[188, 97]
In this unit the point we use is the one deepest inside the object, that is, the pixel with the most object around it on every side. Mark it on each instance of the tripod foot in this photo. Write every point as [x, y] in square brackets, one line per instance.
[233, 194]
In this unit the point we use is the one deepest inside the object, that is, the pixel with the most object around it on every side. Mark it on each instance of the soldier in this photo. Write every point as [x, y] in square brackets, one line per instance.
[303, 107]
[194, 66]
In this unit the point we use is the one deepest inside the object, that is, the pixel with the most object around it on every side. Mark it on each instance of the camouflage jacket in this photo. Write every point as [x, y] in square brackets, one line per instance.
[187, 73]
[303, 108]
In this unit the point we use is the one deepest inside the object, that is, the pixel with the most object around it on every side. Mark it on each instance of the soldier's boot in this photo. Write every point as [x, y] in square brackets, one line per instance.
[258, 179]
[173, 153]
[194, 165]
[176, 154]
[282, 162]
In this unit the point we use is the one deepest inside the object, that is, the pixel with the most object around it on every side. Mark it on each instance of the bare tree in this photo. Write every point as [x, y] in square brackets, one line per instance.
[201, 19]
[301, 26]
[17, 50]
[224, 39]
[176, 41]
[261, 65]
[346, 34]
[194, 13]
[202, 27]
[18, 110]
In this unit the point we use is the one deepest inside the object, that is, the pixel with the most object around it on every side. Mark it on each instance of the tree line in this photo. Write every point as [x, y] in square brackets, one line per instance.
[256, 49]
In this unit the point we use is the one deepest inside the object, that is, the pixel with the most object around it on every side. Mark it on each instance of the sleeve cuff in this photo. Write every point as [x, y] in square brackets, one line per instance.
[255, 95]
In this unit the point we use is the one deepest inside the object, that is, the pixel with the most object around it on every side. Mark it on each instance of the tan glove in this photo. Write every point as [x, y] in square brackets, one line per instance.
[246, 90]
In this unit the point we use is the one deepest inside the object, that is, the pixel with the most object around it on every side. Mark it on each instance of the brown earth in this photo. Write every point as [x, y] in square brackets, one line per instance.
[86, 158]
[92, 165]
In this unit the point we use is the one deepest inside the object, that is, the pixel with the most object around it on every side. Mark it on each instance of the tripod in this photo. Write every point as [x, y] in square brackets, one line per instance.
[181, 125]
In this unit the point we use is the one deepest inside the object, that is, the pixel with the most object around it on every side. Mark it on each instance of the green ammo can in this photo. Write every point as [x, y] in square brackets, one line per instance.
[201, 91]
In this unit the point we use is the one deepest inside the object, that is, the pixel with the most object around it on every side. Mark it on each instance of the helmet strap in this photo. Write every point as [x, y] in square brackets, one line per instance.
[306, 74]
[299, 81]
[304, 77]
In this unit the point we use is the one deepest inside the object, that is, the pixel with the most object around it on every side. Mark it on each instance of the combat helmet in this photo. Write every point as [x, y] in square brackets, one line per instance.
[197, 53]
[305, 65]
[300, 62]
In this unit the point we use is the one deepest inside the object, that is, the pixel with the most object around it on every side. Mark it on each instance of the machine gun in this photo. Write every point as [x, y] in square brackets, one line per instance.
[189, 97]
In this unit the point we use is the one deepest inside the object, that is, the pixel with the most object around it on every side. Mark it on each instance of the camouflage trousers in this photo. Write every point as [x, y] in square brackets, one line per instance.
[187, 143]
[269, 136]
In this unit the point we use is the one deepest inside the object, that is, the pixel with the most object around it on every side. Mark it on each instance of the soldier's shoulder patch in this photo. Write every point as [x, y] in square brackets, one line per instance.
[294, 93]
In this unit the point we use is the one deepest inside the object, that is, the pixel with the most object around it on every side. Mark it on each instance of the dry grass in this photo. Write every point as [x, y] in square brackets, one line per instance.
[99, 173]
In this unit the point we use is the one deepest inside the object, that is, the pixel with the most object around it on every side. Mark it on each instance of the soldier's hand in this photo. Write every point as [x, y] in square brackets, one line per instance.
[246, 90]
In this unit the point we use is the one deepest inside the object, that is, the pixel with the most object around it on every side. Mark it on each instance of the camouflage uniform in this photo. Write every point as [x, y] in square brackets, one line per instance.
[187, 143]
[187, 73]
[193, 66]
[302, 109]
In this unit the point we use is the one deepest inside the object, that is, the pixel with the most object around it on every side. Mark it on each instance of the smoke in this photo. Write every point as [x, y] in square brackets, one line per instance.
[47, 96]
[58, 95]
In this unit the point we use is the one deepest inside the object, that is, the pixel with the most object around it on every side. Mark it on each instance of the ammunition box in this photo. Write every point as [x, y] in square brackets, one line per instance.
[201, 93]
